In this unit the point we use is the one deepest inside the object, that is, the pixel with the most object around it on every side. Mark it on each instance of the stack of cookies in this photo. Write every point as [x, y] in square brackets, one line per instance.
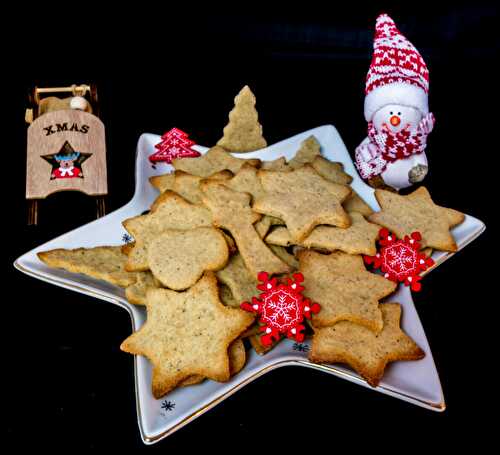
[220, 220]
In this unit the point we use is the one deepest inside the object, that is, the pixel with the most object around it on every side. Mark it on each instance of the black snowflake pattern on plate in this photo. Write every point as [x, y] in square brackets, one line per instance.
[300, 347]
[167, 405]
[126, 238]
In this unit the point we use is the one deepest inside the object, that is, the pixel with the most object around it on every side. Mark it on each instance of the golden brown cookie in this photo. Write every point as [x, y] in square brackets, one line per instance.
[170, 211]
[366, 352]
[258, 346]
[303, 199]
[354, 203]
[308, 151]
[237, 359]
[279, 164]
[265, 223]
[188, 186]
[226, 296]
[179, 258]
[103, 262]
[343, 287]
[237, 356]
[240, 281]
[163, 182]
[403, 215]
[231, 210]
[215, 160]
[187, 333]
[428, 252]
[246, 181]
[243, 133]
[136, 293]
[359, 238]
[252, 330]
[285, 256]
[192, 380]
[330, 170]
[126, 248]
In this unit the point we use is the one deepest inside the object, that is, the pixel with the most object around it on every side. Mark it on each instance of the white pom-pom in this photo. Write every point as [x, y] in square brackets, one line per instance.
[78, 102]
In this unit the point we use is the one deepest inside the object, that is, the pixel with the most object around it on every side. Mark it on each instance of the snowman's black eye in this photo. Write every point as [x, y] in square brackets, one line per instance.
[399, 113]
[390, 113]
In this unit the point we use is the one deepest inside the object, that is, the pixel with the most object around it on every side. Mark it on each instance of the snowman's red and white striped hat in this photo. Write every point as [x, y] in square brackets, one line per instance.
[397, 74]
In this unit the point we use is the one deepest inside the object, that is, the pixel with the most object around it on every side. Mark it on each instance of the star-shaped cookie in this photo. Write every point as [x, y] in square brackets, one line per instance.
[366, 352]
[187, 333]
[403, 215]
[303, 199]
[343, 287]
[359, 238]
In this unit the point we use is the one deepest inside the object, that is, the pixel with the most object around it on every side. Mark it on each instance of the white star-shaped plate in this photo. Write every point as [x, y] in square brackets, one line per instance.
[415, 382]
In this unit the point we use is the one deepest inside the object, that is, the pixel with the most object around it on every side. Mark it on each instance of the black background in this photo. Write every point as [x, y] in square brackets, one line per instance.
[66, 383]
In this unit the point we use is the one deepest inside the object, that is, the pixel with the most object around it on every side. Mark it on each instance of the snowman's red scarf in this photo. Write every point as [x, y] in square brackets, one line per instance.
[395, 146]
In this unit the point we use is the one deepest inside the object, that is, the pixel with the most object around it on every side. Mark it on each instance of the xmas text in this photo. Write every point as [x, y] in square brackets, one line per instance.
[58, 127]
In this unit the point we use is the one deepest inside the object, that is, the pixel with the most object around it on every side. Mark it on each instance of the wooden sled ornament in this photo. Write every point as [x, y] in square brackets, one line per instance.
[66, 148]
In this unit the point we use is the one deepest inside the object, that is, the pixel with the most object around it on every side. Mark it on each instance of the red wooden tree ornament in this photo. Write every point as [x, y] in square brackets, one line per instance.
[173, 144]
[281, 307]
[401, 259]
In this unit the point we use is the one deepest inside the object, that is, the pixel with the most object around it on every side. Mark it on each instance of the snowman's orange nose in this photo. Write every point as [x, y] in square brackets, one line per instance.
[395, 120]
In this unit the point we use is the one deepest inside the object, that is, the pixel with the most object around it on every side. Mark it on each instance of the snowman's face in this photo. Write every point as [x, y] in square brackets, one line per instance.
[396, 117]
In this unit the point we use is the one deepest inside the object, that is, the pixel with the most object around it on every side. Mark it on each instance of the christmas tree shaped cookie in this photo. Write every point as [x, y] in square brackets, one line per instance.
[243, 133]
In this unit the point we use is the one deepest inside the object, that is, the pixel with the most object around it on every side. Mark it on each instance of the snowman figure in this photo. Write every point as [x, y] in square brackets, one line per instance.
[397, 111]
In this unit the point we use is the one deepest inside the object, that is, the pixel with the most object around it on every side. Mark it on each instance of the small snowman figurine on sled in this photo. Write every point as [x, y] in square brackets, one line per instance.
[397, 111]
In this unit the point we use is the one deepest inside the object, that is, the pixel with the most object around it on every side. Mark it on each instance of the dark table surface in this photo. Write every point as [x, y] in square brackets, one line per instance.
[66, 383]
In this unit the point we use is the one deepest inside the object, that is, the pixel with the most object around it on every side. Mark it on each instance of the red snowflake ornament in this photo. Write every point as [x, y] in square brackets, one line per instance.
[401, 259]
[281, 307]
[173, 144]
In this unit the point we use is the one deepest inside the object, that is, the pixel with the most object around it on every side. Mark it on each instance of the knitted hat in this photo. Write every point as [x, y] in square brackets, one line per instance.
[397, 74]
